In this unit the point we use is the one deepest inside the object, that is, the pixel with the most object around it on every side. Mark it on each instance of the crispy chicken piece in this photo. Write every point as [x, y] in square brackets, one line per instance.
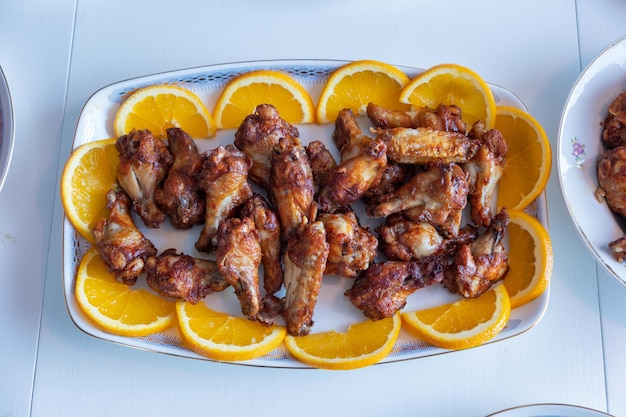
[181, 276]
[478, 265]
[180, 198]
[305, 259]
[144, 161]
[267, 225]
[614, 133]
[238, 257]
[291, 188]
[351, 179]
[224, 179]
[363, 160]
[612, 179]
[404, 240]
[446, 118]
[348, 136]
[122, 246]
[352, 248]
[393, 176]
[257, 136]
[434, 196]
[322, 163]
[484, 171]
[383, 288]
[423, 145]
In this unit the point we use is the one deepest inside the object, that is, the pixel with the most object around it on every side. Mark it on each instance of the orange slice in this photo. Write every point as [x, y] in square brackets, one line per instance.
[452, 84]
[224, 337]
[463, 324]
[159, 107]
[118, 308]
[358, 83]
[530, 259]
[363, 344]
[528, 158]
[244, 93]
[89, 173]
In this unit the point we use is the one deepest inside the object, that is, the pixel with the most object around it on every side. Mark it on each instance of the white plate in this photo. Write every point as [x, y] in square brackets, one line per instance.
[580, 144]
[549, 410]
[95, 122]
[6, 128]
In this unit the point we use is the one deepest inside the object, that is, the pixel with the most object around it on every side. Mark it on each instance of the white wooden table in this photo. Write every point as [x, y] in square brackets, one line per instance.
[56, 55]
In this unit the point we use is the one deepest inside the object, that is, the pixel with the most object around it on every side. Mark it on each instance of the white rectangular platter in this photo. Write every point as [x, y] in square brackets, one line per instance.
[333, 310]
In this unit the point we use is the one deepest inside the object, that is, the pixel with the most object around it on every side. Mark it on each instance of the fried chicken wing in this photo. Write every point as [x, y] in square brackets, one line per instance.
[348, 136]
[257, 136]
[238, 257]
[478, 265]
[122, 246]
[180, 198]
[224, 179]
[352, 248]
[484, 171]
[267, 225]
[393, 176]
[618, 249]
[433, 196]
[291, 188]
[144, 161]
[446, 118]
[322, 163]
[304, 260]
[404, 240]
[351, 179]
[383, 288]
[423, 145]
[181, 276]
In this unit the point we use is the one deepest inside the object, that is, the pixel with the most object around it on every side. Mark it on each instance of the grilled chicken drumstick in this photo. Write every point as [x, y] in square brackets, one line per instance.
[122, 246]
[144, 161]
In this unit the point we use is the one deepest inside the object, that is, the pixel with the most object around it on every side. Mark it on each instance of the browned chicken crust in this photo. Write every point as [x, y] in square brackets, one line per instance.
[180, 198]
[122, 246]
[144, 162]
[181, 276]
[257, 136]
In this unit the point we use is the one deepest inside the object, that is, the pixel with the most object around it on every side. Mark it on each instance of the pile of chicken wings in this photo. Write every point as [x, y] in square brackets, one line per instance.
[269, 200]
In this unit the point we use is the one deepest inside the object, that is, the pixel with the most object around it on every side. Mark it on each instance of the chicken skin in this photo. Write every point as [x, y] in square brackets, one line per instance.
[612, 179]
[238, 257]
[484, 172]
[424, 145]
[144, 162]
[363, 161]
[404, 240]
[352, 248]
[257, 136]
[123, 248]
[614, 133]
[181, 276]
[383, 288]
[291, 188]
[267, 225]
[435, 196]
[322, 163]
[224, 179]
[180, 198]
[305, 260]
[478, 265]
[445, 118]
